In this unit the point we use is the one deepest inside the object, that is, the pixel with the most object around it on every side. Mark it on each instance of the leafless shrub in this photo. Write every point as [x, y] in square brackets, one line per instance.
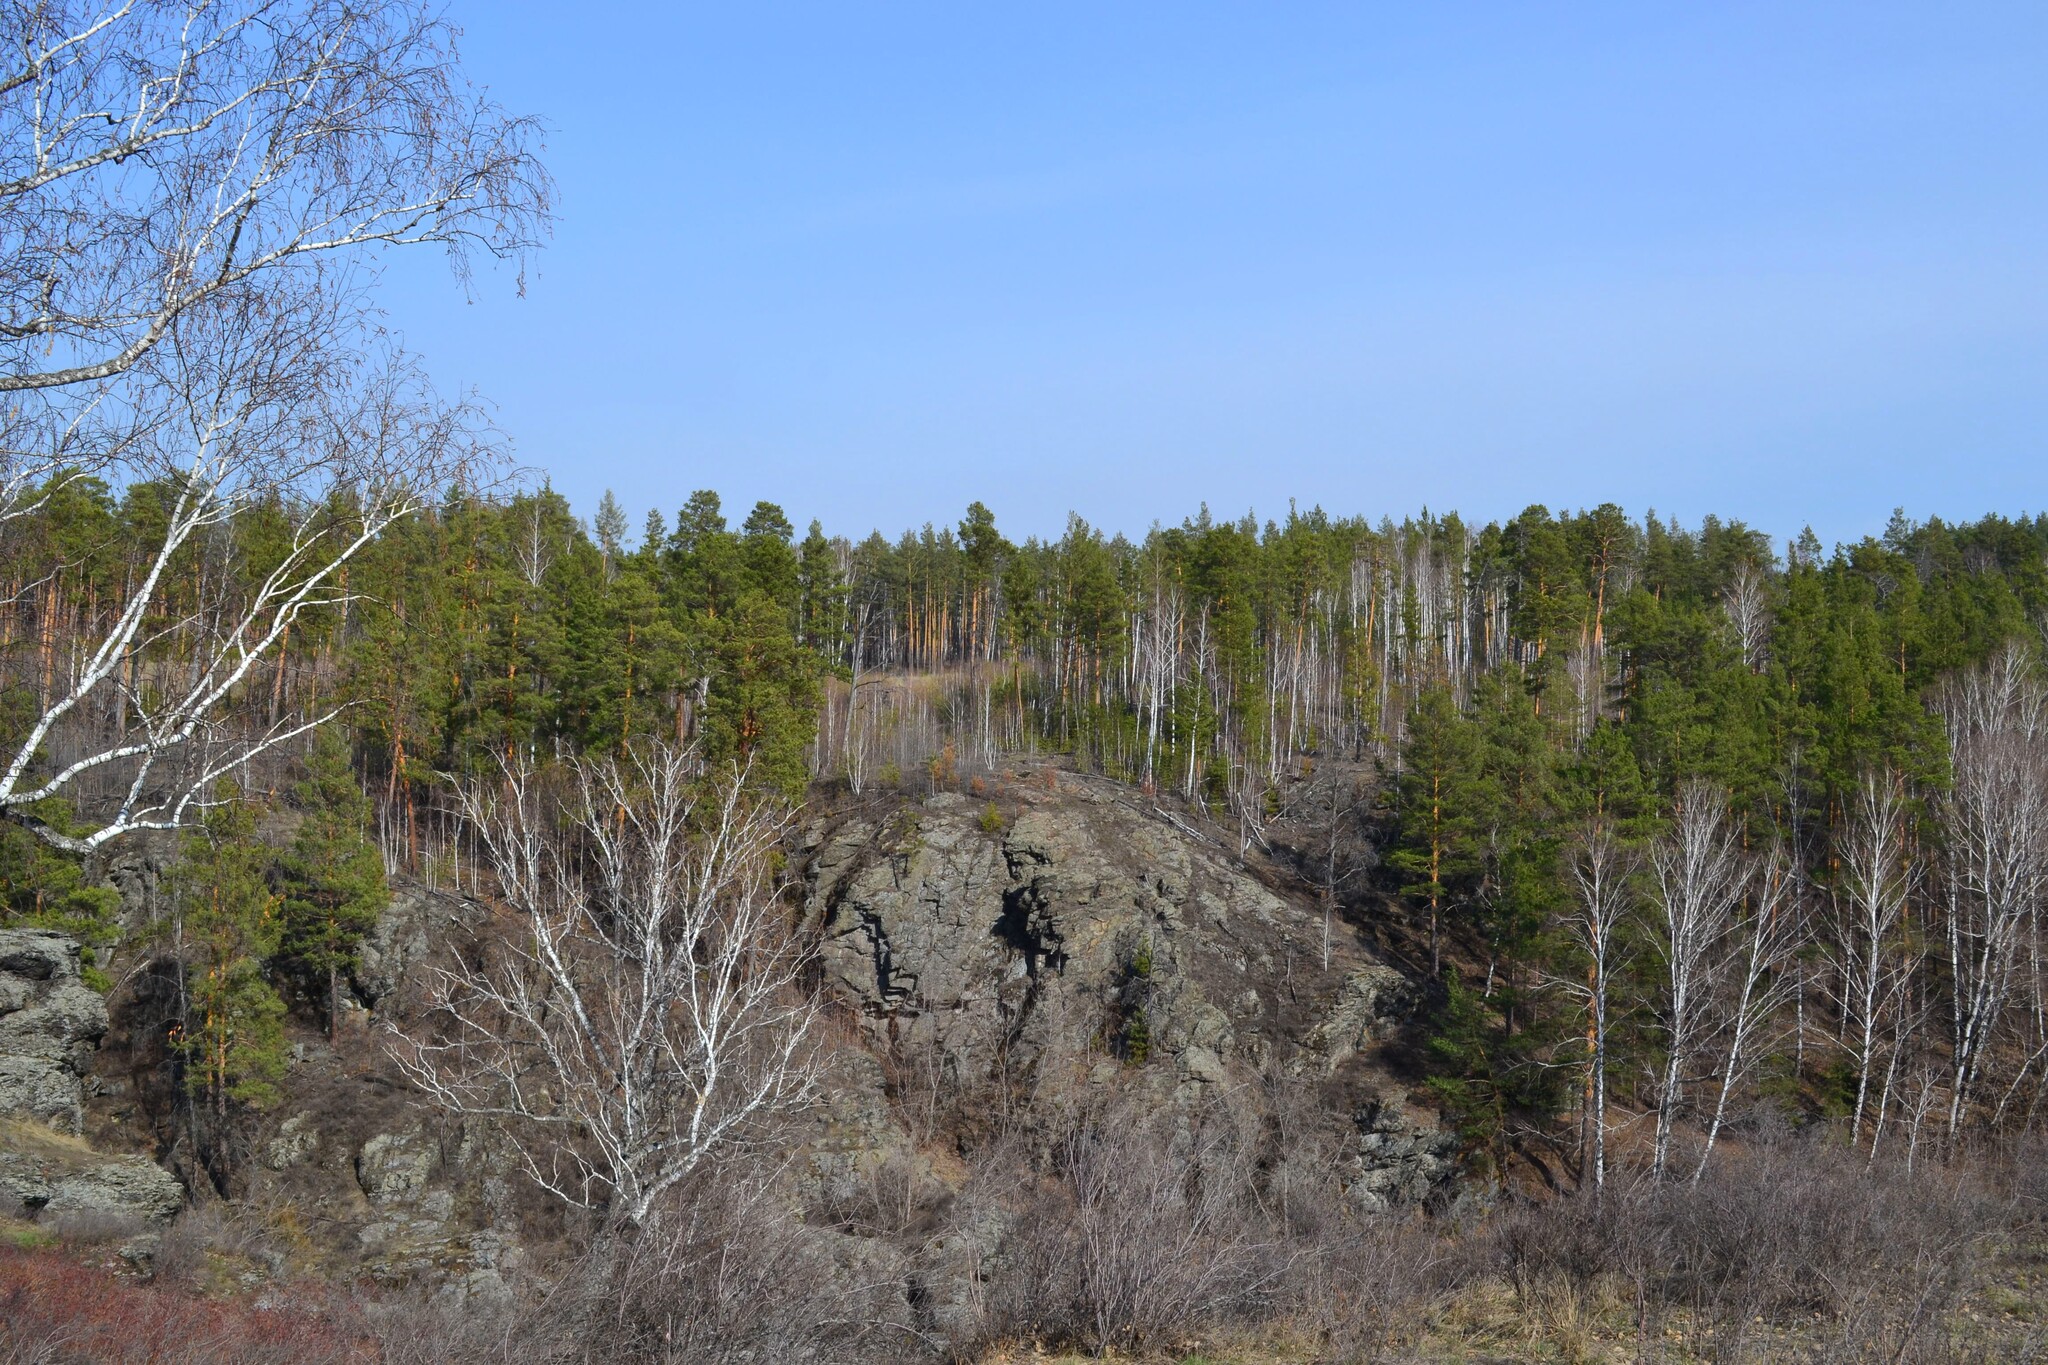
[724, 1271]
[1366, 1284]
[1145, 1227]
[1793, 1232]
[93, 1227]
[201, 1231]
[893, 1198]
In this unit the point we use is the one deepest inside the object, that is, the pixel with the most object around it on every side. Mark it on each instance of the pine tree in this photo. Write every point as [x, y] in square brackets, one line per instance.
[762, 706]
[332, 877]
[611, 532]
[41, 888]
[1444, 797]
[228, 926]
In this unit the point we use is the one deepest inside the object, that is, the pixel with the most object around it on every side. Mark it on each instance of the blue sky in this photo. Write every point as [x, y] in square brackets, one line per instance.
[1787, 263]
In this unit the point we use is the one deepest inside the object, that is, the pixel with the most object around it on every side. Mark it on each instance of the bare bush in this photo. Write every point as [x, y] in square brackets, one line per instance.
[54, 1311]
[1793, 1234]
[1147, 1227]
[642, 1011]
[724, 1271]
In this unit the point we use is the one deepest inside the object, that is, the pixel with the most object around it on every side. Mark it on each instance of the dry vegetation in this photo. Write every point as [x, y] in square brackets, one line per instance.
[1142, 1239]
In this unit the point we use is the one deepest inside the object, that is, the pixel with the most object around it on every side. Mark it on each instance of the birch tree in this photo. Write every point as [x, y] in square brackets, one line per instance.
[1600, 870]
[1994, 819]
[1756, 986]
[1746, 600]
[1698, 875]
[191, 200]
[140, 723]
[158, 159]
[641, 1009]
[1873, 966]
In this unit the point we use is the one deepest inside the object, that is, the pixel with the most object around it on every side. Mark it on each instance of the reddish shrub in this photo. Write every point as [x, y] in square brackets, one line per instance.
[54, 1311]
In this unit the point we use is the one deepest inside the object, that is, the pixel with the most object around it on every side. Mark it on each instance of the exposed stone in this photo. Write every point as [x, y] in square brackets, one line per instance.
[140, 1252]
[1090, 938]
[1402, 1157]
[407, 928]
[396, 1166]
[51, 1173]
[297, 1140]
[855, 1132]
[1203, 1065]
[129, 1185]
[137, 873]
[50, 1022]
[1369, 1002]
[965, 941]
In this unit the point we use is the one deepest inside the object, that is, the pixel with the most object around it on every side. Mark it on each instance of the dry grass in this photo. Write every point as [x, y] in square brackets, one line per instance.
[44, 1143]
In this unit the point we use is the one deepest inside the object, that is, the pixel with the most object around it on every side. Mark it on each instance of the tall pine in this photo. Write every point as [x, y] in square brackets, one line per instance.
[332, 877]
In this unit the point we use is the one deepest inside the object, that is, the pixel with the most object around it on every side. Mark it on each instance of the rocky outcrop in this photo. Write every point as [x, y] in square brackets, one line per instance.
[51, 1175]
[50, 1022]
[1067, 931]
[411, 923]
[1061, 951]
[1402, 1157]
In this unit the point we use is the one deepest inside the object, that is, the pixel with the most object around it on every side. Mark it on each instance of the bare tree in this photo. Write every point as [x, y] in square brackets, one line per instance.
[1322, 817]
[191, 196]
[156, 158]
[1747, 602]
[1699, 875]
[643, 1009]
[1994, 817]
[1250, 795]
[1757, 949]
[254, 412]
[1600, 871]
[1873, 967]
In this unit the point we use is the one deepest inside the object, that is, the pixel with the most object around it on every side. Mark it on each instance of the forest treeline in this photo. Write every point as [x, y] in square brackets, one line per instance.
[1454, 717]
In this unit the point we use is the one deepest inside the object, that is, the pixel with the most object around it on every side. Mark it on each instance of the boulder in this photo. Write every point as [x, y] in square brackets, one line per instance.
[414, 919]
[394, 1167]
[1402, 1158]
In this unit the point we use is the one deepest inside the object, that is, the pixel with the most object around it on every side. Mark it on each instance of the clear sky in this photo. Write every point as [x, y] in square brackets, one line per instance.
[1783, 262]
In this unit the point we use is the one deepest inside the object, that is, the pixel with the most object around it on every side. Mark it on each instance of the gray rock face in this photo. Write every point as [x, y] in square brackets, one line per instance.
[1042, 940]
[297, 1142]
[393, 1167]
[1090, 938]
[1402, 1157]
[1369, 1000]
[411, 923]
[50, 1022]
[53, 1176]
[128, 1185]
[137, 871]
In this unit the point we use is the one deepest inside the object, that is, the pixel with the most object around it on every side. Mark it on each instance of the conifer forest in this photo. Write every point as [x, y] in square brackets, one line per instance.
[439, 922]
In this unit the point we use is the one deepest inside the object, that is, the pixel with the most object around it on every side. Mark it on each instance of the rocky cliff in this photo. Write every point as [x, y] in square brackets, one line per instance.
[1001, 964]
[1064, 940]
[51, 1024]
